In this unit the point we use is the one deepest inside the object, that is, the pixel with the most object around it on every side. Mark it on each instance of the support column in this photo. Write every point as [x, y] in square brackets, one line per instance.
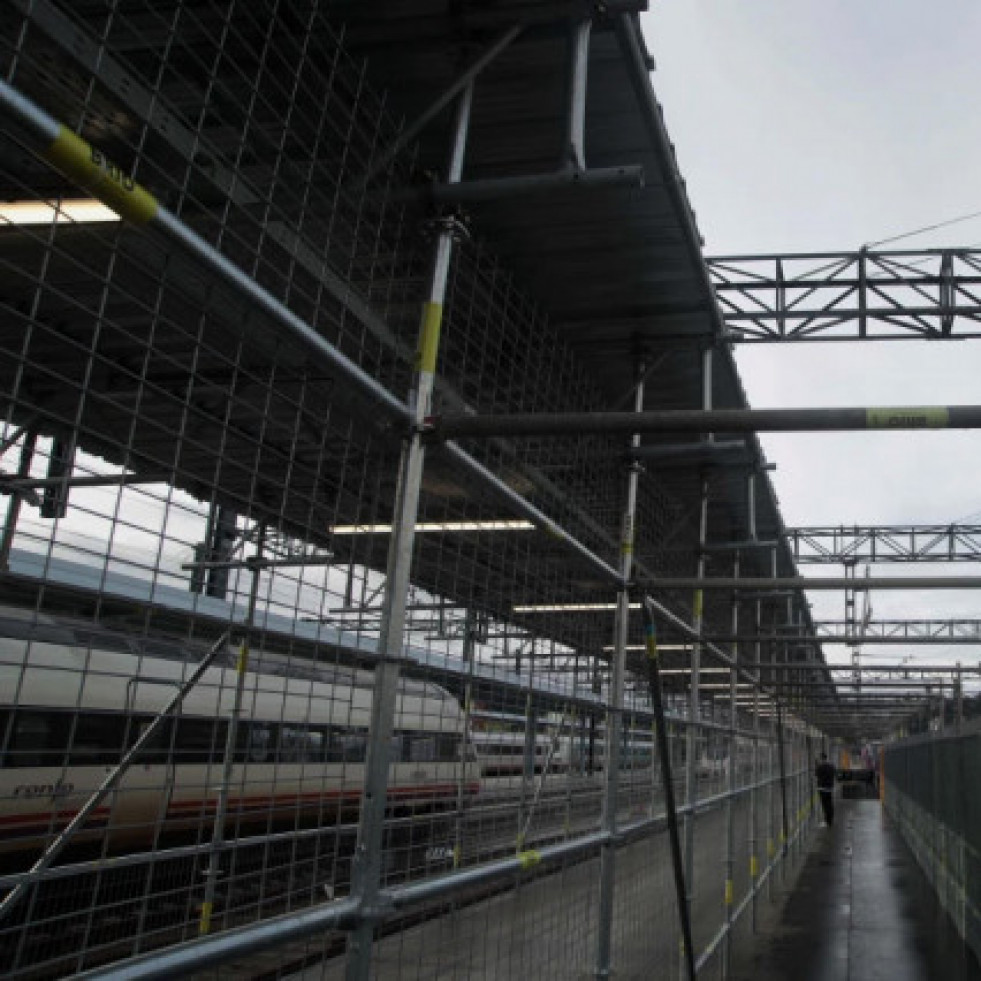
[224, 790]
[13, 507]
[771, 834]
[754, 799]
[615, 706]
[730, 851]
[469, 630]
[574, 154]
[694, 705]
[958, 701]
[367, 867]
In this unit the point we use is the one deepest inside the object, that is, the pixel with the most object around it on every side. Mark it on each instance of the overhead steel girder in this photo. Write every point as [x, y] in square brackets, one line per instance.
[953, 631]
[885, 543]
[863, 295]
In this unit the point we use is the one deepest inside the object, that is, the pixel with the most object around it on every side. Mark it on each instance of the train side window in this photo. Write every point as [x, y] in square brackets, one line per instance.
[300, 745]
[260, 743]
[38, 739]
[199, 740]
[448, 748]
[334, 750]
[353, 746]
[422, 749]
[157, 750]
[98, 739]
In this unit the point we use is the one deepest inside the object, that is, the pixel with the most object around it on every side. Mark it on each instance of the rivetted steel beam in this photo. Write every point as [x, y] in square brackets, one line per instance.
[707, 421]
[798, 582]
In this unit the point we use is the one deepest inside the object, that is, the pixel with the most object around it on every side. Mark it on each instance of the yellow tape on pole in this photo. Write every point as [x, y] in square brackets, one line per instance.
[529, 859]
[729, 892]
[911, 417]
[650, 642]
[754, 866]
[429, 327]
[204, 924]
[699, 602]
[94, 171]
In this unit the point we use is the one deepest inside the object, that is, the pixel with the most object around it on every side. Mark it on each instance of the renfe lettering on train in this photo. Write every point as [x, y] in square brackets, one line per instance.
[53, 790]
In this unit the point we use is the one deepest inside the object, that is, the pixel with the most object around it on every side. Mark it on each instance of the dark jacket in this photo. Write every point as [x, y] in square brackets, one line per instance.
[824, 773]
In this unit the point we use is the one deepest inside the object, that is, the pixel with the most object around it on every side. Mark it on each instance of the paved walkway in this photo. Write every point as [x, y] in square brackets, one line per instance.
[861, 911]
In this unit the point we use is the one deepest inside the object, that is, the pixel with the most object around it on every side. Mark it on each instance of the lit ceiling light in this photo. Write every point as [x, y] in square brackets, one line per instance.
[660, 647]
[445, 526]
[726, 687]
[570, 607]
[64, 212]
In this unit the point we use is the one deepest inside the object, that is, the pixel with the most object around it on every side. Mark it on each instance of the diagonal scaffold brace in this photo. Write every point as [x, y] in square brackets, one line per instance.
[654, 676]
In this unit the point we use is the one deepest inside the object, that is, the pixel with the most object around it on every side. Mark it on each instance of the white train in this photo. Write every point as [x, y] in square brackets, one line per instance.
[502, 755]
[74, 698]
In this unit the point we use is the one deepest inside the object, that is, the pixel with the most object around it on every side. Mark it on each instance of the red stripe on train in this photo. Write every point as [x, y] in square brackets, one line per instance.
[283, 800]
[46, 816]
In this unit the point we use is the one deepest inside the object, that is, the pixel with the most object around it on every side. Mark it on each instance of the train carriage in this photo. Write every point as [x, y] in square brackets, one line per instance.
[73, 699]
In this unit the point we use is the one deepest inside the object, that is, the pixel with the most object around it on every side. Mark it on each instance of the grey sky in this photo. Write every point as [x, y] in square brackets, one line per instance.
[822, 125]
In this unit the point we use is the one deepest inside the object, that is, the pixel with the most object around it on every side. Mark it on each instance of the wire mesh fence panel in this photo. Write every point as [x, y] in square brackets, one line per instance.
[924, 779]
[235, 579]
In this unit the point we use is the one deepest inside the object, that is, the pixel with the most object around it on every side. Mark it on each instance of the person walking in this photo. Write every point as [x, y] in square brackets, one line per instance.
[824, 775]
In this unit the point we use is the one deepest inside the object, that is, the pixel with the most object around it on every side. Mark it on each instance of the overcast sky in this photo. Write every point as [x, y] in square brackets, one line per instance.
[822, 125]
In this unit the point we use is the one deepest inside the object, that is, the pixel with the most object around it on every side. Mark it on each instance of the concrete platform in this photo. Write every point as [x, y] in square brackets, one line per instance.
[860, 910]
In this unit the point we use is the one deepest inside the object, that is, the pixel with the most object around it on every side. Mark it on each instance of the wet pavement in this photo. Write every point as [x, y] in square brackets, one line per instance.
[861, 910]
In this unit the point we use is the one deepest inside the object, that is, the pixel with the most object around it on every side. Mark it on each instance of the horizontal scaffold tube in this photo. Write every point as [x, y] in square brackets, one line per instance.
[799, 582]
[708, 421]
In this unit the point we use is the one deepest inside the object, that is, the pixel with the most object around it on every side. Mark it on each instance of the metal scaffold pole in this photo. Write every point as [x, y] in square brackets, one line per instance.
[667, 779]
[771, 832]
[366, 879]
[224, 790]
[754, 797]
[731, 780]
[694, 704]
[615, 707]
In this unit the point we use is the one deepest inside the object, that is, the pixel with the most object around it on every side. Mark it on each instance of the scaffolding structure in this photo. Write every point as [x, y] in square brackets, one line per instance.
[292, 682]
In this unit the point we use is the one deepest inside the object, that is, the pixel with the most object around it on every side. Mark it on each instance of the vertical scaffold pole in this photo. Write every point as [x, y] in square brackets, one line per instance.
[368, 852]
[730, 852]
[14, 505]
[667, 779]
[224, 790]
[781, 763]
[771, 830]
[694, 704]
[614, 710]
[754, 798]
[469, 629]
